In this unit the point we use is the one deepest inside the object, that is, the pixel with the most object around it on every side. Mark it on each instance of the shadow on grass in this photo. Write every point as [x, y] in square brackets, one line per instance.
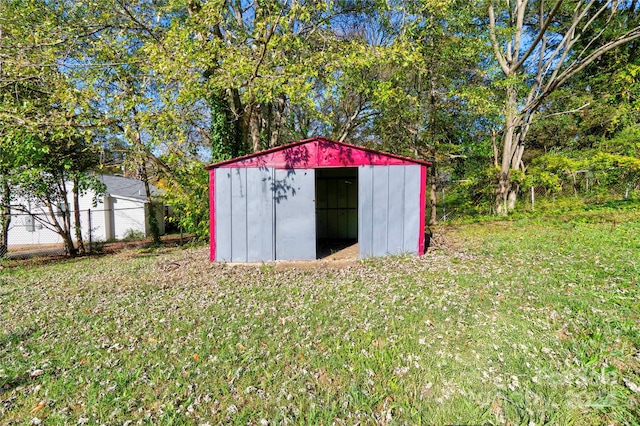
[16, 337]
[8, 384]
[11, 384]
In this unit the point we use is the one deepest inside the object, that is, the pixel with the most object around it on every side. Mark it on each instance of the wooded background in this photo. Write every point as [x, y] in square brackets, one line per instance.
[502, 96]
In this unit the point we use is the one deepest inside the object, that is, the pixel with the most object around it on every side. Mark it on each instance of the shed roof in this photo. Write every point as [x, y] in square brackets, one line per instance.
[317, 153]
[120, 186]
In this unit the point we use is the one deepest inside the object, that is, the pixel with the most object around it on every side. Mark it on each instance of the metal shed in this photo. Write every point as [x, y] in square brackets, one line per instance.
[280, 204]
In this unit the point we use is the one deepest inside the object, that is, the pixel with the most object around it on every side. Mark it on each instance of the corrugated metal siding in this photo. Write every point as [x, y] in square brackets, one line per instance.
[412, 209]
[380, 209]
[239, 215]
[223, 214]
[260, 215]
[389, 209]
[395, 233]
[244, 215]
[264, 214]
[295, 230]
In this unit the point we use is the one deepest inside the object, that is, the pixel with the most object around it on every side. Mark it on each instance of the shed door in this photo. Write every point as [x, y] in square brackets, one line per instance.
[244, 214]
[294, 200]
[389, 210]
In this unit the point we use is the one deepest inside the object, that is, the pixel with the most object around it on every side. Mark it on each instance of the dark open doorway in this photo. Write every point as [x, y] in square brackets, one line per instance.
[336, 209]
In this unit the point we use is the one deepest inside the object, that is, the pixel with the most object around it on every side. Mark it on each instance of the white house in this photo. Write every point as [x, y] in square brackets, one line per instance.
[120, 212]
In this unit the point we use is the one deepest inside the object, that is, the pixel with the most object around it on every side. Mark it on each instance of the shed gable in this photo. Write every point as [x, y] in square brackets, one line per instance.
[316, 153]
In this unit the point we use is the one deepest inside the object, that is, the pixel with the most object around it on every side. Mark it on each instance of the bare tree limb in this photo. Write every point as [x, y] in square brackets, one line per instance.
[570, 111]
[494, 42]
[541, 33]
[573, 70]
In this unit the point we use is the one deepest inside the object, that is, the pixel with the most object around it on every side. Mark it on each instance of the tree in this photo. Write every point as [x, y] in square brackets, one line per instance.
[538, 49]
[5, 203]
[42, 134]
[43, 169]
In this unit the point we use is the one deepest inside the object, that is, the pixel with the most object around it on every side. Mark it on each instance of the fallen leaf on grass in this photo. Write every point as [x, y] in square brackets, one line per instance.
[632, 386]
[36, 373]
[38, 407]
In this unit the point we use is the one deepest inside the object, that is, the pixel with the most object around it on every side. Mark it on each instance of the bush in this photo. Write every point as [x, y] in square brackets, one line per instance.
[133, 235]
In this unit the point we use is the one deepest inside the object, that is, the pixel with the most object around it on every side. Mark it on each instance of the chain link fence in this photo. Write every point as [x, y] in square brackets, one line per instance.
[38, 233]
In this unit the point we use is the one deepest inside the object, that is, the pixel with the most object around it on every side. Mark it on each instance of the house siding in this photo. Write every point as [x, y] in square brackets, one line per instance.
[112, 217]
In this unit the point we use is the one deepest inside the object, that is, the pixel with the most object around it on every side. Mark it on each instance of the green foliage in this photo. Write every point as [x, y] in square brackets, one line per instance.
[223, 141]
[178, 84]
[626, 142]
[133, 235]
[190, 209]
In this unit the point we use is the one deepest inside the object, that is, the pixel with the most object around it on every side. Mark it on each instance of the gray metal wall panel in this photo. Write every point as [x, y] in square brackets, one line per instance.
[259, 215]
[380, 209]
[239, 215]
[223, 214]
[412, 231]
[365, 211]
[395, 222]
[295, 214]
[389, 209]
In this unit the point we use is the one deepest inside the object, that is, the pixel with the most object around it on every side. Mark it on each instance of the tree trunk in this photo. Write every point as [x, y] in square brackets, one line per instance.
[519, 36]
[502, 192]
[255, 126]
[239, 123]
[496, 154]
[512, 197]
[151, 213]
[504, 199]
[276, 121]
[63, 230]
[433, 211]
[76, 216]
[5, 217]
[66, 214]
[68, 244]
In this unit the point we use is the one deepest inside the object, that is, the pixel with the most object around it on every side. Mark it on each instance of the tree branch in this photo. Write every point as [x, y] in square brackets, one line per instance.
[494, 42]
[138, 22]
[568, 73]
[573, 70]
[571, 111]
[540, 35]
[521, 6]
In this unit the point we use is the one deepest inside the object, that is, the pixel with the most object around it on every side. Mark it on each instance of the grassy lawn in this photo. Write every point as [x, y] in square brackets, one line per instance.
[535, 321]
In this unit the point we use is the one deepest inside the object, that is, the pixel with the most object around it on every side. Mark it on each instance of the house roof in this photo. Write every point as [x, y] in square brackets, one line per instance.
[317, 153]
[119, 186]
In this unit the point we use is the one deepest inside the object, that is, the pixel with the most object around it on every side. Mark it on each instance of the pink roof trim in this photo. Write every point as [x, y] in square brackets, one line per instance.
[317, 153]
[212, 216]
[423, 206]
